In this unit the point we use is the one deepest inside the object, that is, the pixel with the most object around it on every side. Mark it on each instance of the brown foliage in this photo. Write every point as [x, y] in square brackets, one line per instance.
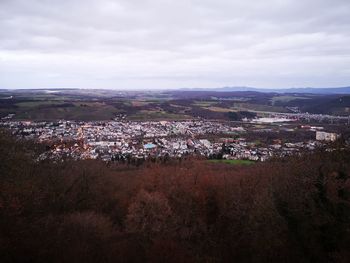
[149, 214]
[287, 210]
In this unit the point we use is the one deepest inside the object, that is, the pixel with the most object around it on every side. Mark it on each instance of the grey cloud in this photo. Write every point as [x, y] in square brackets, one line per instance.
[163, 43]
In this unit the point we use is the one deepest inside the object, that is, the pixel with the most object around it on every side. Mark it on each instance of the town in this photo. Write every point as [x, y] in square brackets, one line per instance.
[123, 140]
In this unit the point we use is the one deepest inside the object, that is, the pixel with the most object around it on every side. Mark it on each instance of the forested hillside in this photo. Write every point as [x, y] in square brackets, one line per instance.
[190, 210]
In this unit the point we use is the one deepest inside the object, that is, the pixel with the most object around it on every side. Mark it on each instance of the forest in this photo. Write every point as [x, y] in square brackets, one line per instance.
[295, 209]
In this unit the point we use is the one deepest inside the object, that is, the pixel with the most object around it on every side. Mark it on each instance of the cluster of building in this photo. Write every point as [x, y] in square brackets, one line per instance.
[120, 140]
[296, 115]
[242, 150]
[123, 140]
[327, 136]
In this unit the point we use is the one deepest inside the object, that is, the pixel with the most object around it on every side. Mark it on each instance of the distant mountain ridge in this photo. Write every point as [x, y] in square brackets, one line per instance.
[308, 90]
[340, 90]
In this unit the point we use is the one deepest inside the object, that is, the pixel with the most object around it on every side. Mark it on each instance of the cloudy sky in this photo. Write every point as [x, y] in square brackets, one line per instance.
[154, 44]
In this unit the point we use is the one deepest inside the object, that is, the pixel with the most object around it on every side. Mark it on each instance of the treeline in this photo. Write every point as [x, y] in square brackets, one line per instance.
[269, 137]
[289, 210]
[239, 115]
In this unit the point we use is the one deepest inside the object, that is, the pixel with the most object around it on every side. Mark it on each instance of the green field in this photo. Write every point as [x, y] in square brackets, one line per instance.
[37, 110]
[156, 115]
[234, 162]
[258, 107]
[218, 109]
[37, 103]
[287, 99]
[204, 103]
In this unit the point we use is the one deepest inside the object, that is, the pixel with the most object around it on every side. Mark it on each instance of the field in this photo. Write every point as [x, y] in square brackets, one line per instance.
[218, 109]
[157, 115]
[68, 111]
[286, 98]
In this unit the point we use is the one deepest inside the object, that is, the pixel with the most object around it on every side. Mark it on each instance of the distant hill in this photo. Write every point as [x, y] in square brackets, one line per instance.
[340, 90]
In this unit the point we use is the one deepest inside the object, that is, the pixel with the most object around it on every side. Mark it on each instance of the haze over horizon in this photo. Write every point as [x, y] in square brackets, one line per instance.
[163, 44]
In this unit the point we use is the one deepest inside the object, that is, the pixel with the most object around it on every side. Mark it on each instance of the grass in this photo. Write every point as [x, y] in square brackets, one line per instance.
[286, 99]
[139, 103]
[145, 115]
[233, 162]
[80, 111]
[37, 103]
[258, 107]
[203, 103]
[218, 109]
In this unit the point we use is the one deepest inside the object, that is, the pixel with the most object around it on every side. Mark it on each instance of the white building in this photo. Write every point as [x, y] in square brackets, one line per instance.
[326, 136]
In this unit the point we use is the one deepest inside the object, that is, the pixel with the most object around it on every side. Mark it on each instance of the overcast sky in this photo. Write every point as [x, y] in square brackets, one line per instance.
[154, 44]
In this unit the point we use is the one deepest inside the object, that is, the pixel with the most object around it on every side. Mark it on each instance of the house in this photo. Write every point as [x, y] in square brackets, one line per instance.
[326, 136]
[149, 146]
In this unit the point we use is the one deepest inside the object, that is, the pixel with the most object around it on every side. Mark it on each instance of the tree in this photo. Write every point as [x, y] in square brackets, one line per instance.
[149, 214]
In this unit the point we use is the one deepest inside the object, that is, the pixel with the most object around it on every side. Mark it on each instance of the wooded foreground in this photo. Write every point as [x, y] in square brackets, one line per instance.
[290, 210]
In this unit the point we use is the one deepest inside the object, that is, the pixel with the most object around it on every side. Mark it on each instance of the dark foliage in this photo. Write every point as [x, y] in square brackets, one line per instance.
[238, 116]
[289, 210]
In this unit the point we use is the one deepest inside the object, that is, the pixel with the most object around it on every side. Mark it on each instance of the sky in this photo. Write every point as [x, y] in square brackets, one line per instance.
[163, 44]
